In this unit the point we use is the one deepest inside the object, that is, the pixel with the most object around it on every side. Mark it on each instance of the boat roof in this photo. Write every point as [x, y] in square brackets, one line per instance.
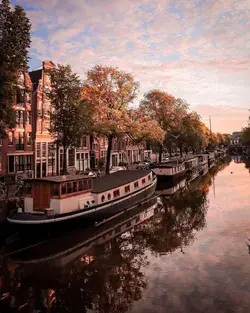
[117, 179]
[170, 164]
[59, 179]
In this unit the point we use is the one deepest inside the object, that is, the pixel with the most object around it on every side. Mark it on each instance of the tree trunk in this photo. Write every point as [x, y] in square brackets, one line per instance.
[110, 141]
[64, 172]
[147, 145]
[160, 152]
[92, 152]
[181, 150]
[193, 151]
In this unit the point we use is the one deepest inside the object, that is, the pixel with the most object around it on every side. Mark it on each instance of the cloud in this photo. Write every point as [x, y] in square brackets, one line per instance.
[196, 50]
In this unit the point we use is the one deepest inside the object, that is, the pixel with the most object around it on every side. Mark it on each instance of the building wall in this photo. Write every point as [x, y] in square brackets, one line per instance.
[16, 151]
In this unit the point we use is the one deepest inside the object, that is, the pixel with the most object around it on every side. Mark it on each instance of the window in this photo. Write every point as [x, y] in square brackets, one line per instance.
[11, 164]
[1, 141]
[71, 157]
[78, 156]
[109, 196]
[29, 162]
[11, 138]
[0, 161]
[54, 190]
[63, 188]
[127, 189]
[20, 96]
[29, 138]
[149, 177]
[80, 185]
[128, 224]
[44, 149]
[86, 156]
[19, 118]
[118, 229]
[103, 198]
[116, 193]
[143, 181]
[61, 158]
[20, 163]
[38, 149]
[69, 187]
[136, 184]
[29, 117]
[74, 186]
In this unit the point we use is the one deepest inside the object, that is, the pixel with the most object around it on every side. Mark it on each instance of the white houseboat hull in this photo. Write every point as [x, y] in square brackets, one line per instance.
[26, 221]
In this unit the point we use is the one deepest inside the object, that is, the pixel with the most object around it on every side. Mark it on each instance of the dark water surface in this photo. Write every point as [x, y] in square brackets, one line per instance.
[184, 253]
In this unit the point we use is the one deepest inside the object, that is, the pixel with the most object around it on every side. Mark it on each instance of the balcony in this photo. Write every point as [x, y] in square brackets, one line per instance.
[19, 146]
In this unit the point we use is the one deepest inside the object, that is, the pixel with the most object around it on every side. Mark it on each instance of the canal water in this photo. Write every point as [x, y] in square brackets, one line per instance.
[188, 252]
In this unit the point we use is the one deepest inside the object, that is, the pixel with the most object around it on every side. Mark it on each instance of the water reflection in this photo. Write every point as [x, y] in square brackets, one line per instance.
[103, 268]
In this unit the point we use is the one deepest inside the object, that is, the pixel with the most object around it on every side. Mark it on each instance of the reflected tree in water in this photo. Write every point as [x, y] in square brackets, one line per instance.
[182, 217]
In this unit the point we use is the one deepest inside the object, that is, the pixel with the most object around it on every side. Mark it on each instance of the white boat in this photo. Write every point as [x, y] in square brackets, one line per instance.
[61, 199]
[169, 170]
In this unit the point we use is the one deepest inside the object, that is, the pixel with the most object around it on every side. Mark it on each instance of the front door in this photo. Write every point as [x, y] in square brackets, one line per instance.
[41, 196]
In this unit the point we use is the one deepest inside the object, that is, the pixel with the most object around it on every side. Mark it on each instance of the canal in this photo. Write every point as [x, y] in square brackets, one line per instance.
[188, 252]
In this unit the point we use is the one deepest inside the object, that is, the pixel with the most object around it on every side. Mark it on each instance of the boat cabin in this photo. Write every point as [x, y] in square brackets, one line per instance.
[56, 193]
[64, 194]
[169, 168]
[192, 163]
[203, 158]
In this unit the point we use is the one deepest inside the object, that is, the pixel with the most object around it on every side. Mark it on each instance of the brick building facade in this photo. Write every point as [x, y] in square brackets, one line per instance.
[16, 151]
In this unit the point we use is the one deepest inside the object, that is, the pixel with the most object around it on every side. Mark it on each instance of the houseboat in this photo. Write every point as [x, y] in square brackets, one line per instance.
[211, 159]
[60, 250]
[203, 161]
[57, 200]
[169, 170]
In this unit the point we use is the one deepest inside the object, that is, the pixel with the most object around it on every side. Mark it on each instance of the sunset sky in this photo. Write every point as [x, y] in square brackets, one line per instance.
[196, 50]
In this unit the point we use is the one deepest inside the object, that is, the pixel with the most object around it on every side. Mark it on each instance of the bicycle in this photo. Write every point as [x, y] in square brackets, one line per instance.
[3, 190]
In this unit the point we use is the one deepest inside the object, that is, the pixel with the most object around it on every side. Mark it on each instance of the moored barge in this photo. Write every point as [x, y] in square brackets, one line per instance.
[59, 200]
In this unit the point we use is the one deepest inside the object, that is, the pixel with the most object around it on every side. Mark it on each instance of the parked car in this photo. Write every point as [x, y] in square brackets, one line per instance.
[117, 169]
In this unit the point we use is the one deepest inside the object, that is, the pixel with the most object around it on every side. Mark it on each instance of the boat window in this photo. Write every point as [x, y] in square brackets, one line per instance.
[75, 186]
[89, 184]
[80, 185]
[109, 196]
[103, 198]
[128, 224]
[54, 190]
[136, 184]
[116, 193]
[143, 181]
[127, 189]
[69, 187]
[149, 177]
[85, 184]
[118, 229]
[63, 188]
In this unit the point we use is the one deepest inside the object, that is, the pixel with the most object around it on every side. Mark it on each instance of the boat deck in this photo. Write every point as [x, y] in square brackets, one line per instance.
[117, 179]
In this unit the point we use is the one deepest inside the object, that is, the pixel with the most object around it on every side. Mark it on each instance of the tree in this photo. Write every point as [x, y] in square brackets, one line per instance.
[164, 108]
[110, 91]
[143, 128]
[70, 115]
[14, 45]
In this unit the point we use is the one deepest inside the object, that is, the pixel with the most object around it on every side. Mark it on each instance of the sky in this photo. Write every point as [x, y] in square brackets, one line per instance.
[198, 50]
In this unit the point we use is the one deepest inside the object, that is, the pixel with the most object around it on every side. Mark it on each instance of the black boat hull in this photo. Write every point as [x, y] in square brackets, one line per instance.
[56, 225]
